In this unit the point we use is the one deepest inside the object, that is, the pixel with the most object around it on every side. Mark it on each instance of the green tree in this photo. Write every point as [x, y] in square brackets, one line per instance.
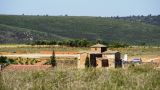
[87, 62]
[3, 59]
[98, 41]
[53, 59]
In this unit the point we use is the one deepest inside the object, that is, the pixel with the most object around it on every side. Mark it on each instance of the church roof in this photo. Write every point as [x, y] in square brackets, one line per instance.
[98, 45]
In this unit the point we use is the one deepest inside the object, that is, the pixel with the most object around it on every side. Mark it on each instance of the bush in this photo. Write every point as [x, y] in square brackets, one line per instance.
[3, 59]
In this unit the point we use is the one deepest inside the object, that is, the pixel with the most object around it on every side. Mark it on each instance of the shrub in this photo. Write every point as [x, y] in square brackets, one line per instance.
[53, 59]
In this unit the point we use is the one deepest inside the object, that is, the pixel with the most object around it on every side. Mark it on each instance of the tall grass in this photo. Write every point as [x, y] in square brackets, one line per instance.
[134, 78]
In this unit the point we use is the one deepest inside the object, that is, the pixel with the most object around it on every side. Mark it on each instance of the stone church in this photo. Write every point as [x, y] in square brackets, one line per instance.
[99, 56]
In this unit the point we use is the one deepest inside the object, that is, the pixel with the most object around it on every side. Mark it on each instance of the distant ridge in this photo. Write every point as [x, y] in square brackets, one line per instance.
[25, 29]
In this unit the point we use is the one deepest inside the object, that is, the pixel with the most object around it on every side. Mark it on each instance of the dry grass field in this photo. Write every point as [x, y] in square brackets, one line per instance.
[145, 53]
[37, 49]
[143, 77]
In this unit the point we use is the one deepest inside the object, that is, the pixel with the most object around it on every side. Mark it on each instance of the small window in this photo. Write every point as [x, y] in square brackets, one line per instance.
[95, 49]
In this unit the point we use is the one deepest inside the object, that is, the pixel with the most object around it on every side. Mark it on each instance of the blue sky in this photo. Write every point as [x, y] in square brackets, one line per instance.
[80, 7]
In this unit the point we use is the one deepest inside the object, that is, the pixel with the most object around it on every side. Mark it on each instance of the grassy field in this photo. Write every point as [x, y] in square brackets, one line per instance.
[37, 49]
[142, 52]
[145, 53]
[143, 77]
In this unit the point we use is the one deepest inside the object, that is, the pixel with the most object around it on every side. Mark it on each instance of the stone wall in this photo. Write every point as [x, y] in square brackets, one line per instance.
[81, 62]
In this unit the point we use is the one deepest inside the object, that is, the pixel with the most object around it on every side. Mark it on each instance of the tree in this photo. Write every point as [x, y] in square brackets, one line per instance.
[87, 62]
[3, 59]
[53, 59]
[143, 43]
[83, 43]
[98, 41]
[66, 15]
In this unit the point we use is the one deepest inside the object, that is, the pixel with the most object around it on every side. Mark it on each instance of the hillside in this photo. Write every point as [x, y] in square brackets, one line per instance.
[24, 29]
[155, 20]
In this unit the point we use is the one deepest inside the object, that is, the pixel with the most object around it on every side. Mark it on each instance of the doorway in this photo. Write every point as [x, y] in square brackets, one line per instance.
[105, 63]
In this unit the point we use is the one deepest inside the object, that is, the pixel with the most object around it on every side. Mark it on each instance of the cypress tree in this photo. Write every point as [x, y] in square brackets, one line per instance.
[87, 62]
[53, 59]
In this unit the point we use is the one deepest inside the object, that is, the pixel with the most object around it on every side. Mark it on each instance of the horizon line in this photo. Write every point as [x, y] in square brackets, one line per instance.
[76, 15]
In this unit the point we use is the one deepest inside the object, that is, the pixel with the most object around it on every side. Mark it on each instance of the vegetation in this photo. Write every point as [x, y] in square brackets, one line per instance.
[25, 61]
[37, 49]
[6, 61]
[19, 60]
[53, 59]
[80, 43]
[27, 29]
[143, 77]
[87, 62]
[155, 20]
[70, 43]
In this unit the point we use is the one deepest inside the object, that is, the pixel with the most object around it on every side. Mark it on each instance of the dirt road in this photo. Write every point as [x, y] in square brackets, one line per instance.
[37, 55]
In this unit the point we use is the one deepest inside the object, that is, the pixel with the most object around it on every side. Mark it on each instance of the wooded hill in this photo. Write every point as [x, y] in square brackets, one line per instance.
[26, 29]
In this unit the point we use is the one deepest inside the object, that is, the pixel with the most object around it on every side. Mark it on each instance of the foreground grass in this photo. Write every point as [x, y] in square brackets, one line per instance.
[134, 78]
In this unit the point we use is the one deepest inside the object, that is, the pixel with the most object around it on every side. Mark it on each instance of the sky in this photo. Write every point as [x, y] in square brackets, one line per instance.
[80, 7]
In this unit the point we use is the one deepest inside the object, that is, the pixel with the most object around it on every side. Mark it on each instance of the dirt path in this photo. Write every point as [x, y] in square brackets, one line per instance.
[157, 60]
[37, 55]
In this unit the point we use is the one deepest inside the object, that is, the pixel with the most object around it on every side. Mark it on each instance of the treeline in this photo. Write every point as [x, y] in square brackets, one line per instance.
[71, 43]
[80, 43]
[150, 19]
